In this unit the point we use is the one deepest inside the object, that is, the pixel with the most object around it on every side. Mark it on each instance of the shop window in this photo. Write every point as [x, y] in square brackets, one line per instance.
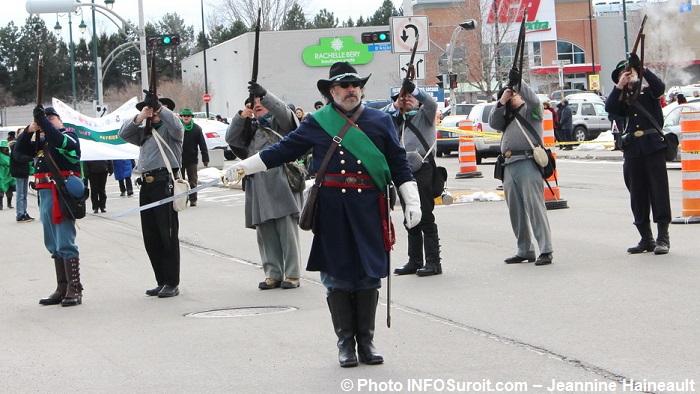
[571, 52]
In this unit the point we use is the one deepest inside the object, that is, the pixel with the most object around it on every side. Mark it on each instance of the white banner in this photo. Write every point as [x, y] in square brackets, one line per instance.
[99, 137]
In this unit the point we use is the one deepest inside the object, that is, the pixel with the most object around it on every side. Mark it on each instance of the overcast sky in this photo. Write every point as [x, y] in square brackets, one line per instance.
[14, 10]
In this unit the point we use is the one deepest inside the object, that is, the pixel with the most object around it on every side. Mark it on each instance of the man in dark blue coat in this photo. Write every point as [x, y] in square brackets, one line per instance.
[644, 148]
[351, 239]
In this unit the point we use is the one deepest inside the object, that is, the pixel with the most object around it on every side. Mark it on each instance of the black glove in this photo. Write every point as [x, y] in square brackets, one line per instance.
[148, 99]
[38, 113]
[408, 86]
[634, 61]
[513, 77]
[256, 90]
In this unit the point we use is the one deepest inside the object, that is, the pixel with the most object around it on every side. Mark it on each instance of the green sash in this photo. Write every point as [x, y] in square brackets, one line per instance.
[358, 144]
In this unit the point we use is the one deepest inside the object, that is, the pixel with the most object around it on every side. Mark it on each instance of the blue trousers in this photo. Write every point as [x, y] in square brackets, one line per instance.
[59, 239]
[21, 186]
[333, 284]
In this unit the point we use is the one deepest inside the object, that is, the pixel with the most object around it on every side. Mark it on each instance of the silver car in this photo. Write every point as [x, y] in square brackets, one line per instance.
[589, 119]
[672, 121]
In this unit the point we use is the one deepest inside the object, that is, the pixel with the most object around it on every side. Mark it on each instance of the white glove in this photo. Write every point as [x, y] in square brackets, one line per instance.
[249, 166]
[411, 199]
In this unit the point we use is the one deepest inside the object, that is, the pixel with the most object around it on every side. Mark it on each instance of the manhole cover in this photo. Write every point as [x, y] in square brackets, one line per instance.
[242, 311]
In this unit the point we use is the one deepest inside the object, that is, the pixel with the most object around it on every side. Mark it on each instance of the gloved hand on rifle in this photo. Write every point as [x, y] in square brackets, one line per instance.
[148, 99]
[256, 90]
[39, 113]
[408, 86]
[513, 77]
[634, 62]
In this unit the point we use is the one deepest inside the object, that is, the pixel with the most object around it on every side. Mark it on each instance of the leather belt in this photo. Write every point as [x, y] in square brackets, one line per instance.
[159, 174]
[510, 153]
[641, 133]
[348, 180]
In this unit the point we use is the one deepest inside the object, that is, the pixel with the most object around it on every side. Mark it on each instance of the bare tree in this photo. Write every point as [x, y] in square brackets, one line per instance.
[272, 15]
[185, 95]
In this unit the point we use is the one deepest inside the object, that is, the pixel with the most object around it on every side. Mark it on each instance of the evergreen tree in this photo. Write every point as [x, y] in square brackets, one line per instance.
[382, 15]
[324, 20]
[295, 19]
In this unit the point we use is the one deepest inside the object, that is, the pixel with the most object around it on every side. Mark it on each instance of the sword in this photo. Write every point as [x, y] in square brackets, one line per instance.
[166, 200]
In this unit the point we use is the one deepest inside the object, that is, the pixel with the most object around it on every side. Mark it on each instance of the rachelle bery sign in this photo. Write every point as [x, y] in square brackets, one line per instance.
[336, 49]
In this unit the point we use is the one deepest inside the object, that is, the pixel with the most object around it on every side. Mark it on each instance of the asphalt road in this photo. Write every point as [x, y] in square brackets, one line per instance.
[596, 318]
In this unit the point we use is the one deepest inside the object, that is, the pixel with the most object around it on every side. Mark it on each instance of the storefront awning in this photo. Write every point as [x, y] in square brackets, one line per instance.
[568, 69]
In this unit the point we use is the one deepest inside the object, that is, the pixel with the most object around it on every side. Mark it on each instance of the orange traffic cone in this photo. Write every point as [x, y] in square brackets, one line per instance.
[552, 198]
[690, 168]
[467, 153]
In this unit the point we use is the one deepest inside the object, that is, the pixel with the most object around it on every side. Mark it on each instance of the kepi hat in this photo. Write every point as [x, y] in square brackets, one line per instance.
[51, 111]
[340, 72]
[620, 68]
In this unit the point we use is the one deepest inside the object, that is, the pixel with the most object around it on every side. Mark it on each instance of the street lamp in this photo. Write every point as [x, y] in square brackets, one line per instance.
[469, 24]
[57, 29]
[204, 53]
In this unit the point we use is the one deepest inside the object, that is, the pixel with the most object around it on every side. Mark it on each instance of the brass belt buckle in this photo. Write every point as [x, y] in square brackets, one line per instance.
[351, 180]
[639, 133]
[508, 154]
[149, 179]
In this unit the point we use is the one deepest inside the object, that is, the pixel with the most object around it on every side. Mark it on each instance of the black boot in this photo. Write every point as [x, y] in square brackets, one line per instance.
[62, 281]
[365, 316]
[74, 294]
[647, 243]
[341, 306]
[663, 241]
[9, 200]
[432, 253]
[415, 255]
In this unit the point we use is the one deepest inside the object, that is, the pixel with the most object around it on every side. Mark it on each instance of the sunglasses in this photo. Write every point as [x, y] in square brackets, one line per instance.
[345, 85]
[185, 116]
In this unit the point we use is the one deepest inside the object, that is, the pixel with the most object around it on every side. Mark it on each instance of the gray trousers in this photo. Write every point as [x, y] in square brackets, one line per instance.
[524, 191]
[280, 251]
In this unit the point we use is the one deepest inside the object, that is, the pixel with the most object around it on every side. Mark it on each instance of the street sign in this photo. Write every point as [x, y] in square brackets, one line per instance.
[418, 63]
[206, 97]
[404, 30]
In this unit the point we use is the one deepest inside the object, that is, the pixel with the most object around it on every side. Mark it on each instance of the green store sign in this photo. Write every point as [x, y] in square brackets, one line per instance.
[336, 49]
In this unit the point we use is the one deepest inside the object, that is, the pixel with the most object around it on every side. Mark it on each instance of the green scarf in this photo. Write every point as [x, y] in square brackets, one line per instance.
[187, 127]
[358, 144]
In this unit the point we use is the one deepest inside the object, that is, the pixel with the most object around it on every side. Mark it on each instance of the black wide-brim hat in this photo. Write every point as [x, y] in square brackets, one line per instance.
[340, 71]
[620, 68]
[170, 104]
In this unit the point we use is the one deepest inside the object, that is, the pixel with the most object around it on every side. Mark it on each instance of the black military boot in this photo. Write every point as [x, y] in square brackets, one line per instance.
[74, 294]
[432, 254]
[647, 243]
[663, 240]
[365, 316]
[9, 200]
[62, 281]
[341, 306]
[415, 255]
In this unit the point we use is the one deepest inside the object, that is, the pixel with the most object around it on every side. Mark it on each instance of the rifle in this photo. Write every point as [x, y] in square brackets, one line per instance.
[248, 126]
[519, 52]
[39, 95]
[410, 75]
[640, 39]
[152, 86]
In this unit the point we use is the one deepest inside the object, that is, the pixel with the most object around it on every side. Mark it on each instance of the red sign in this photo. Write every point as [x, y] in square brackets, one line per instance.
[206, 97]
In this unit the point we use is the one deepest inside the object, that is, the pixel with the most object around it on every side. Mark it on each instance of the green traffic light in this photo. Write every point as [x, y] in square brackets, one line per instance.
[166, 40]
[382, 36]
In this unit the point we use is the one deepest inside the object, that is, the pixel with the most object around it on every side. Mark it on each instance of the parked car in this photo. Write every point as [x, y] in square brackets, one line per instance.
[589, 119]
[586, 96]
[448, 141]
[460, 109]
[557, 94]
[377, 104]
[215, 135]
[485, 147]
[672, 121]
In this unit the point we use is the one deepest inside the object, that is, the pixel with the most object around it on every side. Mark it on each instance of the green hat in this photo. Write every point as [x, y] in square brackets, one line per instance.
[186, 111]
[3, 144]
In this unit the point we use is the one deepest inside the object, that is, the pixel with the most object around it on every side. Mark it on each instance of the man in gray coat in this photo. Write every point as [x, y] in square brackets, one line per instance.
[522, 181]
[416, 128]
[271, 207]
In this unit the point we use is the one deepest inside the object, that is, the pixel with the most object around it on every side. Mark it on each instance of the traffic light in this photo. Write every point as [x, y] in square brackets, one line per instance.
[163, 40]
[439, 82]
[453, 81]
[376, 37]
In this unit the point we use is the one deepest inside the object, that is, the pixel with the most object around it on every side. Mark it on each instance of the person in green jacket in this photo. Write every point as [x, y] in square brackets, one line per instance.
[7, 181]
